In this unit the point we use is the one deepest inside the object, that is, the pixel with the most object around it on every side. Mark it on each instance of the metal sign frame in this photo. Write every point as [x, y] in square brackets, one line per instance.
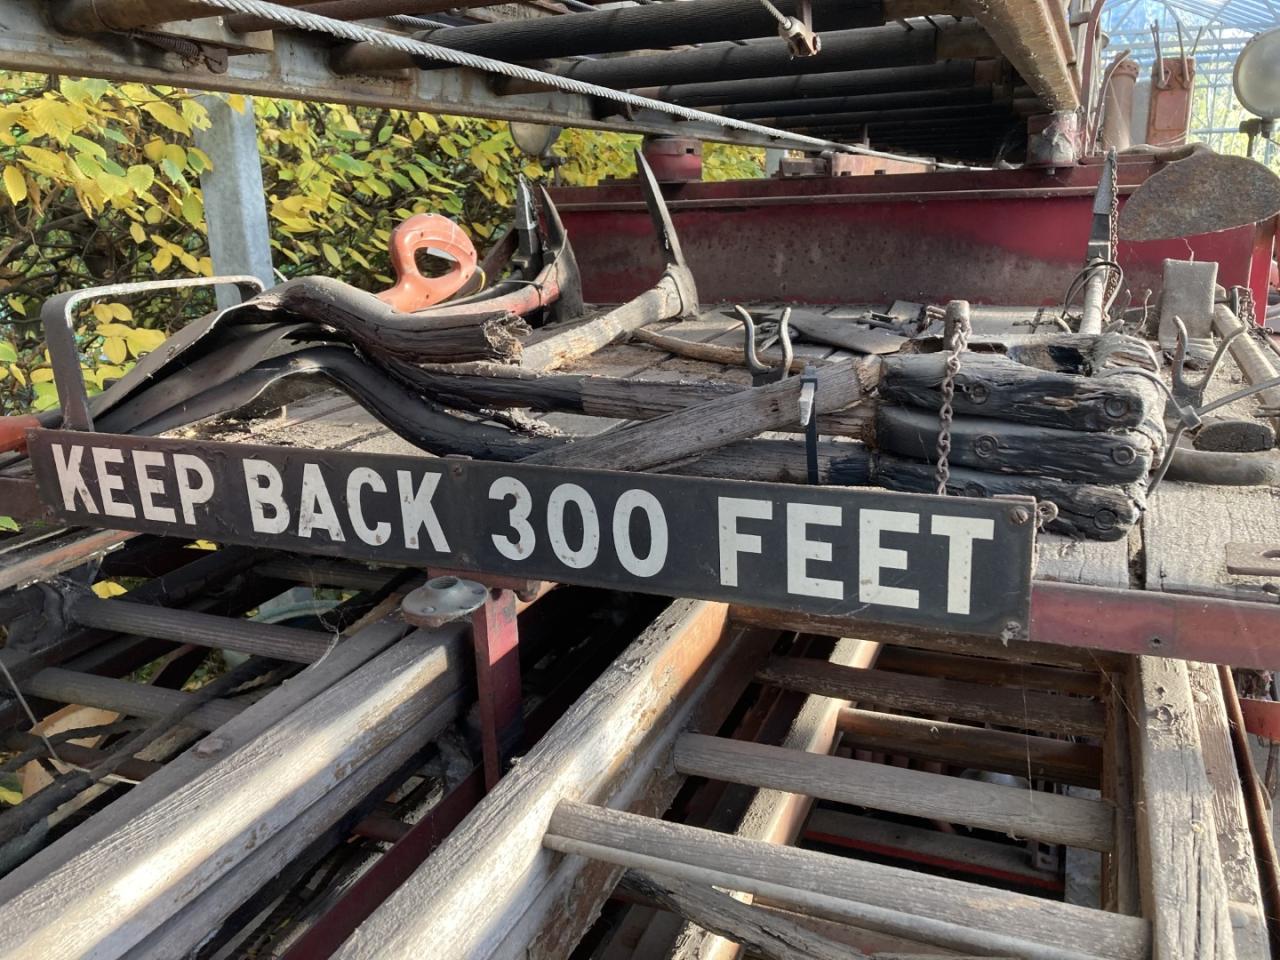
[935, 562]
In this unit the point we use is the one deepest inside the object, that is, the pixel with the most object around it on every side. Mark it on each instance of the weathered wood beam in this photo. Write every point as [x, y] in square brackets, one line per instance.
[1001, 673]
[777, 816]
[1073, 821]
[947, 912]
[707, 426]
[1020, 754]
[1184, 892]
[1026, 709]
[491, 889]
[1032, 35]
[1120, 865]
[107, 898]
[126, 697]
[770, 935]
[1235, 843]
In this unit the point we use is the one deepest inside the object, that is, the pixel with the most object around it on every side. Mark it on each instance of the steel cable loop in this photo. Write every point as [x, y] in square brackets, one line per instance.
[300, 20]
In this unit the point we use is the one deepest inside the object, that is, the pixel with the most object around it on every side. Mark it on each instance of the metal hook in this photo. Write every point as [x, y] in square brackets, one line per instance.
[1186, 390]
[762, 372]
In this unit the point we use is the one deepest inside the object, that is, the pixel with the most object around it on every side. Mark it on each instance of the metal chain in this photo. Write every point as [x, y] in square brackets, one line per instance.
[959, 341]
[1248, 315]
[1113, 231]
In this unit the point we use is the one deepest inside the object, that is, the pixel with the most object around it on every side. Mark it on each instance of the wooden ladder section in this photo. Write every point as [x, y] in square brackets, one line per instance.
[1128, 758]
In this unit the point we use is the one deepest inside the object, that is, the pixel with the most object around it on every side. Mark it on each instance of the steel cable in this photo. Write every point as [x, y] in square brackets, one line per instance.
[300, 20]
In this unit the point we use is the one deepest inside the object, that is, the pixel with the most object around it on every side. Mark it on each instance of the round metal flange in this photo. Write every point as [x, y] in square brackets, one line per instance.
[442, 600]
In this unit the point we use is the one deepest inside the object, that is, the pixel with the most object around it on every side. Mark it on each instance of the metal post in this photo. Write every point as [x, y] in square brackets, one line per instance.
[235, 204]
[497, 643]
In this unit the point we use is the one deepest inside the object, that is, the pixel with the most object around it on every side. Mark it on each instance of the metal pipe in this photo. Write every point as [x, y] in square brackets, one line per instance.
[842, 50]
[652, 26]
[929, 115]
[359, 10]
[1255, 362]
[101, 16]
[202, 629]
[949, 73]
[879, 102]
[1095, 293]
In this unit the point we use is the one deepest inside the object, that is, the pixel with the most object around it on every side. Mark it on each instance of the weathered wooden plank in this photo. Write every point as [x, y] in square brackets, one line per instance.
[1097, 563]
[706, 426]
[42, 556]
[491, 889]
[993, 672]
[1026, 709]
[999, 446]
[233, 734]
[1235, 843]
[1184, 893]
[105, 899]
[939, 910]
[1003, 389]
[769, 935]
[186, 930]
[1025, 813]
[777, 816]
[997, 750]
[711, 352]
[1120, 865]
[1187, 527]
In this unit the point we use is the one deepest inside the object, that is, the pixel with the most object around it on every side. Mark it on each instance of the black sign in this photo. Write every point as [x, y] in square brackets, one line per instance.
[951, 562]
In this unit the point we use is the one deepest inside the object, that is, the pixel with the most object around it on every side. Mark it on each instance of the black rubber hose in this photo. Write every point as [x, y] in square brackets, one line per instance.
[1225, 469]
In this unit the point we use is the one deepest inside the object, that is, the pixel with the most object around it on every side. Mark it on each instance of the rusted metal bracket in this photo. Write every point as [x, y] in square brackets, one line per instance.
[496, 637]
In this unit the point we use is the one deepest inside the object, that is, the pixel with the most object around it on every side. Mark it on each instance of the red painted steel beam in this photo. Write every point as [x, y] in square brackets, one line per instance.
[1234, 632]
[1261, 717]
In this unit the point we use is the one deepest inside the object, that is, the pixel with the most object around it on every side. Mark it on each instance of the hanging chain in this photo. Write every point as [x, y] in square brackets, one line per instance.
[1113, 232]
[1248, 315]
[959, 341]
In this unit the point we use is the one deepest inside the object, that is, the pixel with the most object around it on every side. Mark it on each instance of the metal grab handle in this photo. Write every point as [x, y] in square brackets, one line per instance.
[428, 231]
[60, 335]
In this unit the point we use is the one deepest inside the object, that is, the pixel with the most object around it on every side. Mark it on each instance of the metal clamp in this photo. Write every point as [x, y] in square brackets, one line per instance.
[1192, 392]
[60, 334]
[809, 419]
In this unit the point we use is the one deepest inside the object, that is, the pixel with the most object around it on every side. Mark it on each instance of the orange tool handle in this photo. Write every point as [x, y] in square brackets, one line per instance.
[412, 290]
[13, 432]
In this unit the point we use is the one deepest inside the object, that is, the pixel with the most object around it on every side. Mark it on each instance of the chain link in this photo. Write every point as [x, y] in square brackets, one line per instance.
[1113, 233]
[1248, 315]
[959, 342]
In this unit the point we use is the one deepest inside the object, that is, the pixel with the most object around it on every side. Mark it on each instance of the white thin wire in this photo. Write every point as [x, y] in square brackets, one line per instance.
[300, 20]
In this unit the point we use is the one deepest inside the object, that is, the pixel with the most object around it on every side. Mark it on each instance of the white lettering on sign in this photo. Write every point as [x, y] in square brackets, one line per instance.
[150, 487]
[800, 550]
[732, 541]
[186, 466]
[110, 483]
[518, 517]
[872, 557]
[67, 466]
[629, 503]
[417, 511]
[589, 549]
[961, 532]
[316, 507]
[357, 480]
[266, 489]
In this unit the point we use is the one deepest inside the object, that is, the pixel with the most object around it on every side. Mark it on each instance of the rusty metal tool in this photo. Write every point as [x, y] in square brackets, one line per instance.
[674, 295]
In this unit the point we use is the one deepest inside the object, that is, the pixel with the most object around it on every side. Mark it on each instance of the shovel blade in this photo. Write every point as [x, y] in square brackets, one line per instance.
[1204, 193]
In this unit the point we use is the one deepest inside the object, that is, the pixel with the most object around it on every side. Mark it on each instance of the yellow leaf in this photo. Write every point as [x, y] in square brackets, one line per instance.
[17, 305]
[237, 102]
[153, 215]
[108, 588]
[42, 375]
[109, 329]
[101, 313]
[144, 341]
[160, 262]
[331, 255]
[3, 373]
[175, 155]
[167, 116]
[154, 149]
[16, 372]
[115, 349]
[138, 234]
[120, 312]
[192, 209]
[140, 177]
[15, 183]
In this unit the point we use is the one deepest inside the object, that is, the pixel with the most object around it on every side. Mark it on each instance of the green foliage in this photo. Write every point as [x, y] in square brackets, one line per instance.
[101, 185]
